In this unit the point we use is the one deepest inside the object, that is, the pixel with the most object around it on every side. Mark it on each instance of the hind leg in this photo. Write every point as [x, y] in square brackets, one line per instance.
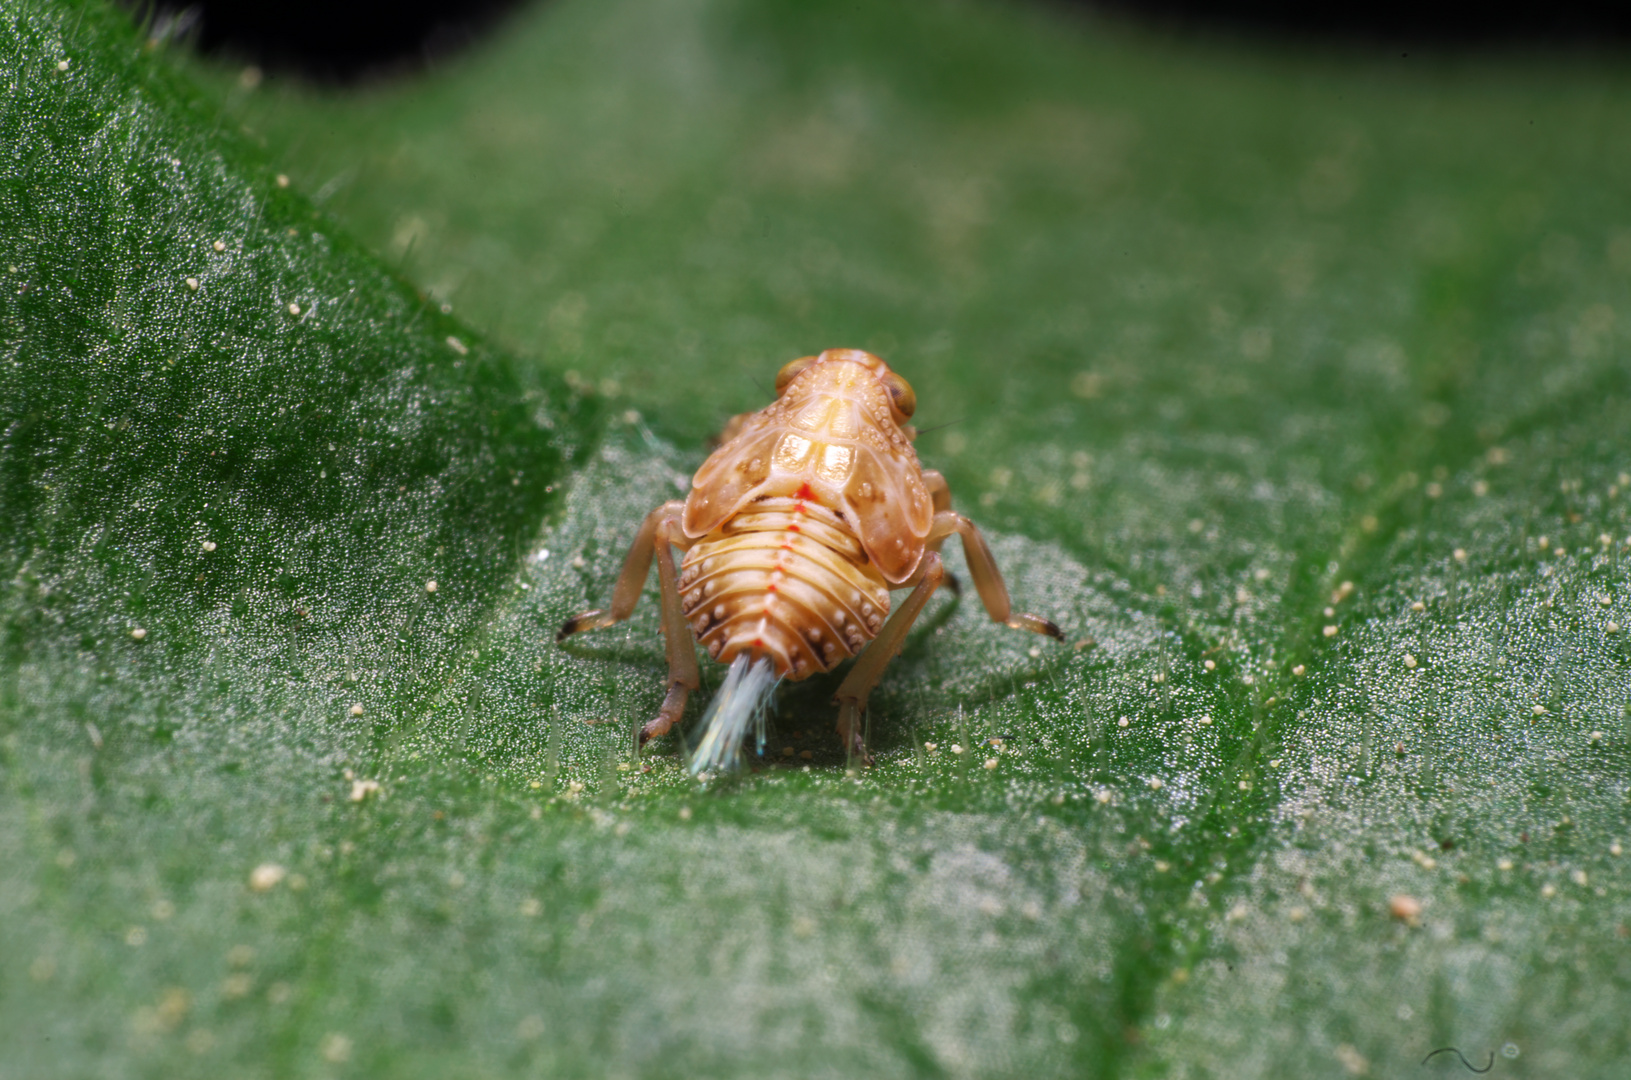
[659, 533]
[683, 676]
[857, 687]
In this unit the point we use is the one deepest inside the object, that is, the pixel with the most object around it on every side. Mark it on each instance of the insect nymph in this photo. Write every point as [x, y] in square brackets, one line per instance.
[794, 533]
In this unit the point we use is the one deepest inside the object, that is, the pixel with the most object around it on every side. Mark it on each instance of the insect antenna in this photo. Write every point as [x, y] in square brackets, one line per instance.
[742, 702]
[939, 427]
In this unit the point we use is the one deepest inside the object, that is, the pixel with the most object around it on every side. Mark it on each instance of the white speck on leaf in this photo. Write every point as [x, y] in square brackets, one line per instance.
[1404, 907]
[266, 876]
[1352, 1060]
[335, 1048]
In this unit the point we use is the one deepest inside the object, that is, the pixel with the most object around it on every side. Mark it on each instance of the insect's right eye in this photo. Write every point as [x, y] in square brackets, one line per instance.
[790, 371]
[901, 392]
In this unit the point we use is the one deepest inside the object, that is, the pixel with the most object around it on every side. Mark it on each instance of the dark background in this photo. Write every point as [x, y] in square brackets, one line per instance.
[344, 40]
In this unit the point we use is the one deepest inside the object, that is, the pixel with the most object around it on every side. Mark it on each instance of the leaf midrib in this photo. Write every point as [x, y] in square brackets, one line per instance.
[1235, 829]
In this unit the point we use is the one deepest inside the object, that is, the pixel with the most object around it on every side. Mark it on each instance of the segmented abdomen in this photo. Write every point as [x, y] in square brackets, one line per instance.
[788, 579]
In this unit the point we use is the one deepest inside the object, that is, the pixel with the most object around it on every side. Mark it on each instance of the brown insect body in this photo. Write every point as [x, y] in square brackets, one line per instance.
[805, 519]
[795, 532]
[788, 580]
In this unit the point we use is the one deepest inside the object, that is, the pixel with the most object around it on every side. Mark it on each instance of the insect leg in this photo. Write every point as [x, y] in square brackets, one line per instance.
[987, 578]
[940, 498]
[630, 582]
[868, 669]
[683, 676]
[939, 490]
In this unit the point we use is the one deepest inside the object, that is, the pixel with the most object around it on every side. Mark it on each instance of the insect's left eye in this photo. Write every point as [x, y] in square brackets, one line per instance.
[790, 371]
[901, 391]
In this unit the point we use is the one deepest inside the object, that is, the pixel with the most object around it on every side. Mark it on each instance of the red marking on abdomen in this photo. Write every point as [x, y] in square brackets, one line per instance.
[756, 563]
[804, 492]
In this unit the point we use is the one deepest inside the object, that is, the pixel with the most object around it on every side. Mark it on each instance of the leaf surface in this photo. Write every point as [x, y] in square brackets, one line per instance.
[1244, 355]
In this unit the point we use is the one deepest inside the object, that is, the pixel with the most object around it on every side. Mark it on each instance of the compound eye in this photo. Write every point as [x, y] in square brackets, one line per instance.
[900, 391]
[790, 371]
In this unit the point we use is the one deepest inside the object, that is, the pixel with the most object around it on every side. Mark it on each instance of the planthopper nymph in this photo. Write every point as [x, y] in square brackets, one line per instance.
[794, 533]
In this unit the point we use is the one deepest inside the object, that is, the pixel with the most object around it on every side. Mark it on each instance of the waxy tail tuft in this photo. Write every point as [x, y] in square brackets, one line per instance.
[742, 702]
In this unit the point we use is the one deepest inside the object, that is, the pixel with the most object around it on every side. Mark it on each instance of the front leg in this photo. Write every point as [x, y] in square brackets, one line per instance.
[940, 499]
[631, 581]
[987, 578]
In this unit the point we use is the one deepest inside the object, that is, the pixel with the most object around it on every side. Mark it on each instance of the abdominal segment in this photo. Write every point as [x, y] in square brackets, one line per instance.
[785, 578]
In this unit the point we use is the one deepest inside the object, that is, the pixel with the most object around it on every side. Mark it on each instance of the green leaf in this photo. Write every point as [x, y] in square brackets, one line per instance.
[1218, 332]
